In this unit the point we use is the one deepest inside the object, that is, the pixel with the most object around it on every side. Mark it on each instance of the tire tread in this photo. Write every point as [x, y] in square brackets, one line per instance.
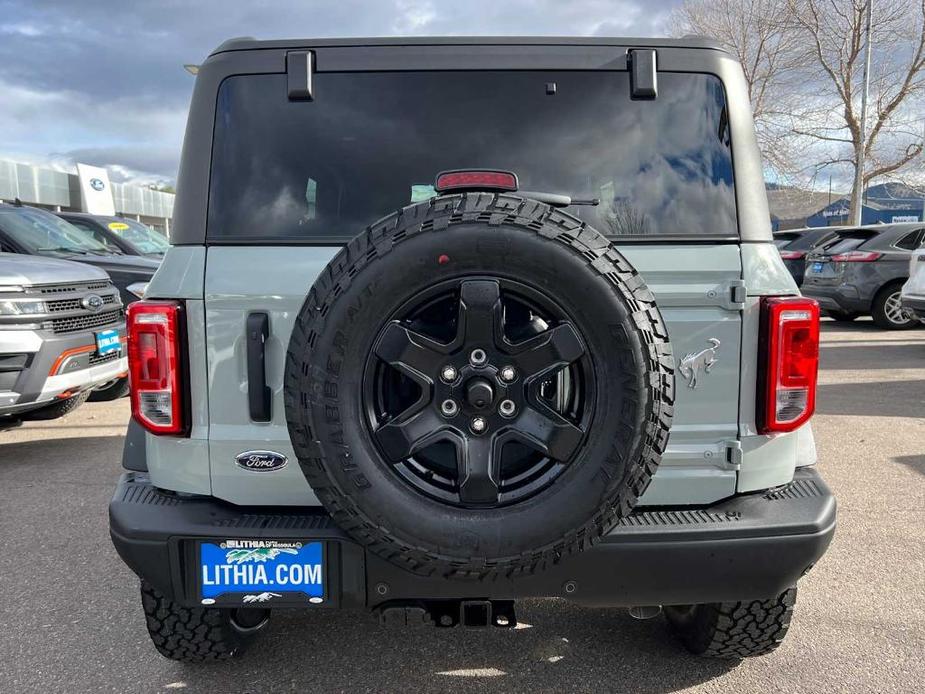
[738, 629]
[188, 634]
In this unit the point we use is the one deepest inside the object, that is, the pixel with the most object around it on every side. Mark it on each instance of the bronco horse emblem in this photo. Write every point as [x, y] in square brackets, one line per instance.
[695, 363]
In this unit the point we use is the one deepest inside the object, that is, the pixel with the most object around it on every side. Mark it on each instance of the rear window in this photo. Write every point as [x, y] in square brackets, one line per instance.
[844, 241]
[806, 240]
[371, 143]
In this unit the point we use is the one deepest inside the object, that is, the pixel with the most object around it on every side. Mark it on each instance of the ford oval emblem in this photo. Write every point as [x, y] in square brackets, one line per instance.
[261, 461]
[92, 302]
[97, 184]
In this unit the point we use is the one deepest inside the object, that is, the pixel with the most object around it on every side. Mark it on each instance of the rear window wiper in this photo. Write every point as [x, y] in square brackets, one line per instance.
[557, 199]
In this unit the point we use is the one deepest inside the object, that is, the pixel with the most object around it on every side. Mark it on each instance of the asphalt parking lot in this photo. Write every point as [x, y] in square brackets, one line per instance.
[70, 618]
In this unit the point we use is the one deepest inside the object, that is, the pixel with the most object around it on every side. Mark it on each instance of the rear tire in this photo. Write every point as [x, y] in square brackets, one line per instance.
[887, 310]
[733, 629]
[198, 634]
[111, 391]
[56, 409]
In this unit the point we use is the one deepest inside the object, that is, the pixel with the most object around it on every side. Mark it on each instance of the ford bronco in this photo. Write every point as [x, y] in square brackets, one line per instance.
[449, 323]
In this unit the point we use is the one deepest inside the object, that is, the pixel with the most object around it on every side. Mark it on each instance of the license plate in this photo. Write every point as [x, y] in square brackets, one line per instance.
[817, 267]
[108, 341]
[261, 571]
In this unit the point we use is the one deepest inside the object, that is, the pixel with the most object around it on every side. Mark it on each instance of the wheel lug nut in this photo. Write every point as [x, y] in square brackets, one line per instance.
[507, 408]
[449, 374]
[478, 424]
[478, 357]
[507, 374]
[449, 407]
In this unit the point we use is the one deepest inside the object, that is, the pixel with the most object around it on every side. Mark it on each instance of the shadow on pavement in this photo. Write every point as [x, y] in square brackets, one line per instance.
[568, 649]
[879, 399]
[864, 327]
[67, 453]
[888, 355]
[913, 462]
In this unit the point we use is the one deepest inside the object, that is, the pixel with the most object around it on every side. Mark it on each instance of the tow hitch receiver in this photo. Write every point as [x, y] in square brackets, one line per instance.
[450, 613]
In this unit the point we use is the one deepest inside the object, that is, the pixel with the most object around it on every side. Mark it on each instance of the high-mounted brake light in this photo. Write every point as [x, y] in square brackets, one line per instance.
[856, 257]
[155, 367]
[790, 353]
[475, 179]
[792, 255]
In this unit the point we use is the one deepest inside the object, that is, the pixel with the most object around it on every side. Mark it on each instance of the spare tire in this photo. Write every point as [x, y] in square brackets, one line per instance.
[479, 384]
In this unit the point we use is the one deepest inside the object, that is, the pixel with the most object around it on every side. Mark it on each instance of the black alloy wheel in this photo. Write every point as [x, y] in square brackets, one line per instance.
[480, 392]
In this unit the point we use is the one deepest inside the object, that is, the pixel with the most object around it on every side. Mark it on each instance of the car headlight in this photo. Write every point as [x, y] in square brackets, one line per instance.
[138, 289]
[21, 308]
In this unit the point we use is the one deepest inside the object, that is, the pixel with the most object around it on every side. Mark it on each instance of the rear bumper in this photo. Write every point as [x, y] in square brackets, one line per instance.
[844, 298]
[915, 304]
[750, 546]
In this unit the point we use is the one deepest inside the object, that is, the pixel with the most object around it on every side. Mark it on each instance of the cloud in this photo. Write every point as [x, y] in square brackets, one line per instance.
[14, 29]
[104, 79]
[60, 128]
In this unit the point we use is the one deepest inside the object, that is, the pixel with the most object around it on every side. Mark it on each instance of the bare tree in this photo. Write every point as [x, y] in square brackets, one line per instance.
[760, 33]
[835, 34]
[624, 219]
[803, 62]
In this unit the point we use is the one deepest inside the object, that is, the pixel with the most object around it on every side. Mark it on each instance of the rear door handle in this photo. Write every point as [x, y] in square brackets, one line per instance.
[258, 393]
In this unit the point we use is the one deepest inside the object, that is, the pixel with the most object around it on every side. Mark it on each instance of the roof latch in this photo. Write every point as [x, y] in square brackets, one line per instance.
[643, 80]
[300, 65]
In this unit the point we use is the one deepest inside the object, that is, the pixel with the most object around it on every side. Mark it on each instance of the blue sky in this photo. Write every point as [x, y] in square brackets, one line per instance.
[101, 81]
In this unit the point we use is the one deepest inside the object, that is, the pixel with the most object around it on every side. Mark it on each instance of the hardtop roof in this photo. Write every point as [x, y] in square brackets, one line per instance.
[249, 43]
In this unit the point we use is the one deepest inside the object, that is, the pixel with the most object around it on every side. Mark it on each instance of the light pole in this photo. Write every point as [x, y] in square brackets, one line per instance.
[857, 205]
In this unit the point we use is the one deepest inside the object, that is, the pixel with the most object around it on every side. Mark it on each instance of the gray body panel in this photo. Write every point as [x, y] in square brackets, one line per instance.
[696, 304]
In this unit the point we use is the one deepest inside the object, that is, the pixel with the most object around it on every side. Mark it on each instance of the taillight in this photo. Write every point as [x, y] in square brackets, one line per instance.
[155, 368]
[475, 179]
[790, 355]
[856, 257]
[792, 255]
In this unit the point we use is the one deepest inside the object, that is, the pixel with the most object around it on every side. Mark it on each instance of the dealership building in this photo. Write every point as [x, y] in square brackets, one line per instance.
[60, 191]
[887, 203]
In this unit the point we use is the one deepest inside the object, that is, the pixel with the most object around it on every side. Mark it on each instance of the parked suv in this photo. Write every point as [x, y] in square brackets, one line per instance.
[862, 270]
[794, 244]
[62, 331]
[119, 234]
[449, 323]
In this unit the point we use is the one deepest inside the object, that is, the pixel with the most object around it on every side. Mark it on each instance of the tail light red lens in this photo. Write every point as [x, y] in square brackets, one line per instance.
[475, 180]
[792, 255]
[856, 257]
[790, 353]
[155, 367]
